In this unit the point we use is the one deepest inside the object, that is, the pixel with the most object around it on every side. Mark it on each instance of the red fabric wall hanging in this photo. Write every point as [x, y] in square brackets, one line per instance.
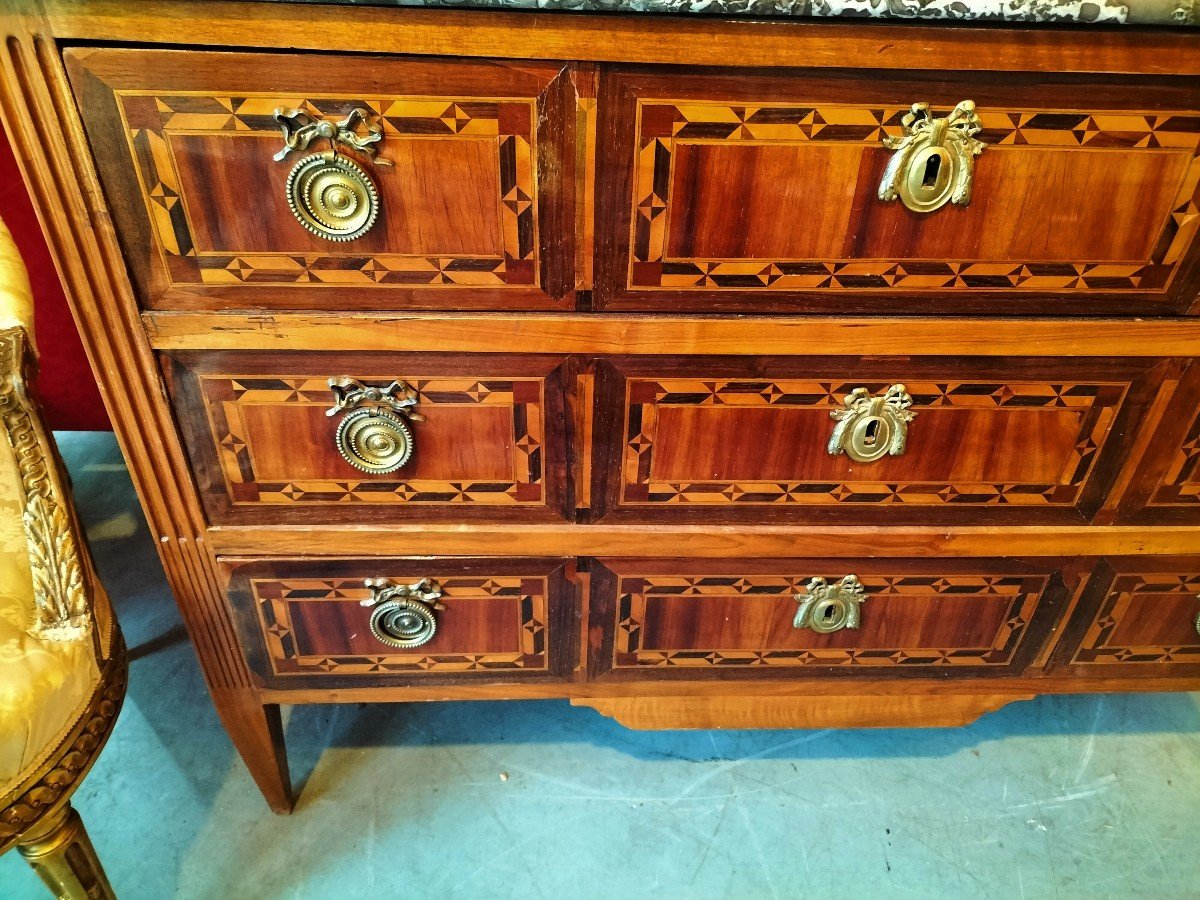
[65, 383]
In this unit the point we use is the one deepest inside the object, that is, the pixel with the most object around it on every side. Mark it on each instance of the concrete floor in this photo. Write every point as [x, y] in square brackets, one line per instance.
[1058, 797]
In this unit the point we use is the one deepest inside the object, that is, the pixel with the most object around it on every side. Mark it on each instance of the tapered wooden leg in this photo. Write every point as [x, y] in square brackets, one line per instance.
[257, 733]
[61, 853]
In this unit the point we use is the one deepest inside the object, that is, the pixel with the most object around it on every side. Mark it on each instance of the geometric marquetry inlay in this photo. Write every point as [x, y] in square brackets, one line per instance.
[234, 403]
[292, 611]
[819, 150]
[496, 132]
[1180, 485]
[1146, 617]
[980, 621]
[673, 435]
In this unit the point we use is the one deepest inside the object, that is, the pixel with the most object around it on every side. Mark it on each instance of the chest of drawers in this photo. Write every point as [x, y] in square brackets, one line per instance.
[733, 374]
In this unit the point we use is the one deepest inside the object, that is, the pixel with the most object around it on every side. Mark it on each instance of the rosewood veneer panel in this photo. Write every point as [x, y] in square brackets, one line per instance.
[745, 439]
[492, 445]
[733, 618]
[758, 191]
[1166, 486]
[1137, 617]
[303, 625]
[474, 211]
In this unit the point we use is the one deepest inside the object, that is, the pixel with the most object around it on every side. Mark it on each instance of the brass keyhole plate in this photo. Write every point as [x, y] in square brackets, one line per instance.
[830, 607]
[870, 428]
[869, 439]
[934, 158]
[931, 176]
[828, 615]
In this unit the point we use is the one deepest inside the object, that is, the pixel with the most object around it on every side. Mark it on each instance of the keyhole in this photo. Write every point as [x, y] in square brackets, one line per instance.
[871, 432]
[933, 165]
[829, 614]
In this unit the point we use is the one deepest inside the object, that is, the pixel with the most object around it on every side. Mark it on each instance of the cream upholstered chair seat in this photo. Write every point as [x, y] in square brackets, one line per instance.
[62, 662]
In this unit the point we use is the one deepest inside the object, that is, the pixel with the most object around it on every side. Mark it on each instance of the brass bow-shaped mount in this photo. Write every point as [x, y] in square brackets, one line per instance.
[869, 428]
[934, 160]
[374, 436]
[830, 607]
[350, 393]
[300, 129]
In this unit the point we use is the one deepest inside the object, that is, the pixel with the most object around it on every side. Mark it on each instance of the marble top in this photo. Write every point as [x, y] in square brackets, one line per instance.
[1082, 12]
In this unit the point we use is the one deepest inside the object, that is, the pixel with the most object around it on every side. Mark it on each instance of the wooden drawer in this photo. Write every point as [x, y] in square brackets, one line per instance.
[303, 622]
[1166, 487]
[264, 447]
[748, 439]
[471, 210]
[749, 191]
[695, 619]
[1137, 616]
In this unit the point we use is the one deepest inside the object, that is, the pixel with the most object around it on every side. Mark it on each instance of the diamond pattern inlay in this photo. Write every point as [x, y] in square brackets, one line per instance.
[509, 122]
[635, 594]
[663, 125]
[228, 397]
[277, 600]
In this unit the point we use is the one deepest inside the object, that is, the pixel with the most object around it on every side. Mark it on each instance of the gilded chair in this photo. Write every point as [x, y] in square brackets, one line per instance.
[62, 660]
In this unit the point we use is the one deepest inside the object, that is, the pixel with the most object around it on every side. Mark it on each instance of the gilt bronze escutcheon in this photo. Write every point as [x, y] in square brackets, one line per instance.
[934, 160]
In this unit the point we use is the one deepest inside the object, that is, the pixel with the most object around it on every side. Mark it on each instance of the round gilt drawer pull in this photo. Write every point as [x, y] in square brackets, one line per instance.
[329, 194]
[830, 607]
[934, 162]
[374, 440]
[870, 428]
[403, 615]
[332, 197]
[373, 435]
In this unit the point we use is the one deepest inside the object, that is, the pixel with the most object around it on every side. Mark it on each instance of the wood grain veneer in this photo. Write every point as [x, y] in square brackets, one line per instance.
[706, 541]
[826, 711]
[685, 619]
[1107, 600]
[303, 624]
[745, 439]
[493, 442]
[1136, 617]
[758, 192]
[620, 38]
[475, 208]
[622, 334]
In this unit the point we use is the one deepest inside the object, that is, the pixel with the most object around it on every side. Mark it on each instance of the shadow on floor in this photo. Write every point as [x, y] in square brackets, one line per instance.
[410, 800]
[129, 565]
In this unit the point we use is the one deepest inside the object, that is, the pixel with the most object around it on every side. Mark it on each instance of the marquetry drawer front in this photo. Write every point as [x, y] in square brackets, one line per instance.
[1137, 616]
[270, 443]
[1166, 488]
[464, 175]
[964, 440]
[710, 618]
[746, 191]
[382, 620]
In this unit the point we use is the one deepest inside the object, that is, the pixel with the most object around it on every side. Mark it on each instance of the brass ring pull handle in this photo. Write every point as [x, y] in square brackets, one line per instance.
[830, 607]
[870, 428]
[329, 194]
[374, 436]
[934, 160]
[403, 614]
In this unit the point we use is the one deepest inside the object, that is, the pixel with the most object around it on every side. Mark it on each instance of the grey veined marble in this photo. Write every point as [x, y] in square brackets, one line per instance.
[1100, 12]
